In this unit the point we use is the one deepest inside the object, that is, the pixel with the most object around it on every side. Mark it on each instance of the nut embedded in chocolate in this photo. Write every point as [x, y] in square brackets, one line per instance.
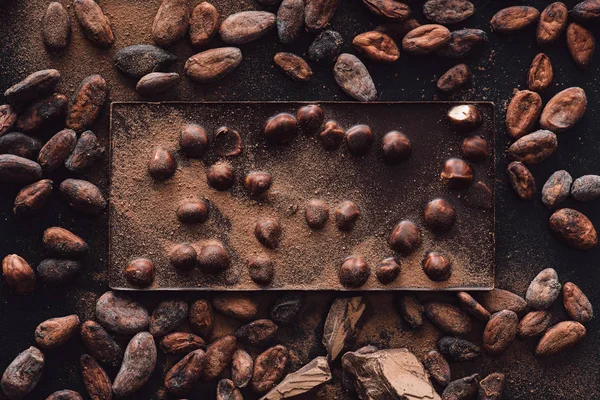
[475, 148]
[261, 270]
[354, 272]
[193, 140]
[310, 118]
[466, 117]
[331, 136]
[457, 173]
[437, 267]
[220, 176]
[346, 215]
[268, 232]
[228, 142]
[192, 211]
[183, 257]
[316, 214]
[281, 128]
[257, 183]
[162, 164]
[359, 139]
[439, 215]
[405, 237]
[387, 270]
[395, 147]
[140, 272]
[213, 258]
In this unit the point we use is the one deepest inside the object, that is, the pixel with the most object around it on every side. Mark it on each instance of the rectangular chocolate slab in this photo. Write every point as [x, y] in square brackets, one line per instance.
[143, 223]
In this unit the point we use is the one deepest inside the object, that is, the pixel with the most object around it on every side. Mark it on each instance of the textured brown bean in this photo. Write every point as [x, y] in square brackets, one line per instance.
[353, 77]
[42, 112]
[522, 113]
[426, 39]
[56, 26]
[576, 303]
[521, 180]
[138, 364]
[540, 73]
[458, 349]
[472, 306]
[448, 11]
[246, 26]
[258, 332]
[411, 310]
[534, 147]
[82, 196]
[213, 65]
[218, 356]
[318, 13]
[94, 23]
[587, 10]
[499, 299]
[461, 389]
[543, 290]
[100, 344]
[556, 189]
[61, 242]
[581, 44]
[553, 21]
[201, 317]
[227, 390]
[242, 367]
[240, 307]
[182, 377]
[15, 169]
[171, 22]
[449, 318]
[560, 337]
[376, 46]
[500, 331]
[167, 315]
[156, 82]
[22, 374]
[87, 102]
[293, 66]
[462, 42]
[290, 20]
[405, 237]
[57, 149]
[491, 387]
[574, 228]
[511, 19]
[586, 188]
[269, 368]
[32, 198]
[534, 323]
[96, 381]
[8, 118]
[121, 314]
[564, 110]
[204, 24]
[390, 9]
[181, 343]
[437, 367]
[34, 86]
[140, 272]
[19, 276]
[454, 78]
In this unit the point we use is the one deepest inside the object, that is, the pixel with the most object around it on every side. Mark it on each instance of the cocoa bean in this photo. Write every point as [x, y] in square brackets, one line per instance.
[426, 39]
[87, 102]
[472, 306]
[398, 29]
[55, 271]
[540, 73]
[286, 308]
[560, 337]
[448, 318]
[167, 316]
[587, 10]
[138, 364]
[522, 180]
[353, 77]
[500, 331]
[543, 290]
[293, 66]
[55, 332]
[218, 356]
[21, 145]
[411, 310]
[204, 24]
[269, 368]
[57, 149]
[534, 147]
[227, 390]
[171, 22]
[257, 333]
[574, 228]
[214, 64]
[534, 323]
[376, 46]
[100, 344]
[56, 26]
[8, 118]
[290, 20]
[553, 21]
[65, 395]
[511, 19]
[461, 389]
[462, 42]
[240, 307]
[458, 349]
[491, 387]
[564, 110]
[318, 13]
[326, 46]
[437, 367]
[556, 189]
[45, 111]
[94, 23]
[36, 85]
[82, 196]
[85, 154]
[390, 9]
[181, 343]
[586, 188]
[576, 303]
[448, 11]
[201, 318]
[498, 299]
[121, 314]
[246, 26]
[141, 59]
[22, 374]
[19, 276]
[454, 78]
[156, 82]
[522, 113]
[581, 44]
[15, 169]
[242, 367]
[63, 243]
[96, 381]
[32, 198]
[182, 377]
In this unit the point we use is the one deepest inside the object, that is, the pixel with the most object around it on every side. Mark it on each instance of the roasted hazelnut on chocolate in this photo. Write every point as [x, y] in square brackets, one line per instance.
[227, 142]
[257, 183]
[268, 232]
[261, 270]
[346, 215]
[310, 118]
[475, 148]
[192, 211]
[405, 237]
[359, 139]
[387, 270]
[140, 272]
[466, 117]
[162, 164]
[316, 214]
[395, 147]
[354, 272]
[193, 140]
[281, 129]
[220, 176]
[183, 257]
[457, 173]
[331, 136]
[437, 267]
[213, 258]
[439, 215]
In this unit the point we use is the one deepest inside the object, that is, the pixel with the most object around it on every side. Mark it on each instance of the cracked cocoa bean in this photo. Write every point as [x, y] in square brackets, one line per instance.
[242, 367]
[295, 67]
[522, 180]
[458, 349]
[574, 228]
[462, 42]
[564, 110]
[540, 73]
[269, 368]
[522, 113]
[581, 44]
[41, 113]
[461, 389]
[87, 102]
[86, 153]
[182, 377]
[534, 147]
[376, 46]
[500, 331]
[553, 22]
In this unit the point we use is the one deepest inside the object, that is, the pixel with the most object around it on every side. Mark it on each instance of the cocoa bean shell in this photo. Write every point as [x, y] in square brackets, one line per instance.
[57, 149]
[390, 9]
[543, 290]
[556, 189]
[318, 13]
[290, 20]
[522, 180]
[586, 188]
[581, 44]
[576, 303]
[156, 83]
[22, 374]
[426, 39]
[138, 364]
[511, 19]
[574, 228]
[55, 332]
[463, 388]
[448, 11]
[269, 368]
[171, 22]
[522, 113]
[37, 115]
[204, 24]
[437, 367]
[587, 10]
[34, 86]
[534, 323]
[293, 66]
[376, 46]
[227, 390]
[448, 318]
[82, 196]
[87, 102]
[94, 23]
[21, 145]
[15, 169]
[141, 59]
[500, 331]
[201, 317]
[121, 314]
[246, 26]
[8, 118]
[353, 78]
[458, 349]
[534, 147]
[182, 377]
[54, 271]
[86, 153]
[32, 198]
[214, 64]
[56, 26]
[454, 78]
[462, 42]
[560, 337]
[240, 307]
[218, 356]
[258, 332]
[564, 110]
[553, 22]
[18, 275]
[181, 343]
[540, 73]
[242, 367]
[65, 395]
[499, 299]
[100, 344]
[491, 387]
[96, 381]
[167, 316]
[63, 243]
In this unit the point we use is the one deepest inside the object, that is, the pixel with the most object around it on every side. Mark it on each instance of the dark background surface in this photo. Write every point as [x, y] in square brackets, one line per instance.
[524, 243]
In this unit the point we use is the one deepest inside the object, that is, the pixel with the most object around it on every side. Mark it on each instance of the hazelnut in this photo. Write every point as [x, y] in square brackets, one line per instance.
[387, 270]
[439, 215]
[213, 258]
[331, 136]
[475, 148]
[140, 272]
[354, 272]
[261, 270]
[183, 257]
[281, 128]
[457, 173]
[405, 237]
[395, 147]
[316, 214]
[268, 232]
[162, 164]
[359, 139]
[193, 140]
[481, 196]
[437, 267]
[220, 176]
[310, 118]
[227, 142]
[466, 117]
[192, 212]
[257, 183]
[346, 215]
